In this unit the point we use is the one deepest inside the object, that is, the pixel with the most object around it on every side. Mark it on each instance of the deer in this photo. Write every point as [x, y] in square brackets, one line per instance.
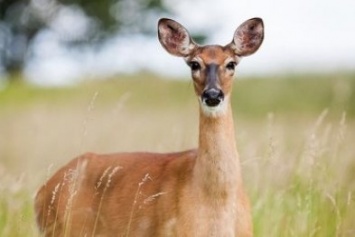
[195, 193]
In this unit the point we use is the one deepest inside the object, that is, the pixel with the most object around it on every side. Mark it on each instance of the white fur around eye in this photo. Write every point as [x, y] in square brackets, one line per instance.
[196, 74]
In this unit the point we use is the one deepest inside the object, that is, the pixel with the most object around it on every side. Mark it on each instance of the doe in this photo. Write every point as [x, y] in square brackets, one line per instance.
[194, 193]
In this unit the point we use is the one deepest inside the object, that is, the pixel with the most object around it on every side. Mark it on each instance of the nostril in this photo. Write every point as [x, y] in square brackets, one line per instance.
[220, 94]
[212, 97]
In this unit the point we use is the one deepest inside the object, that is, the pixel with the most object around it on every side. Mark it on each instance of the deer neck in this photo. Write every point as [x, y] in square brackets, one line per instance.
[217, 169]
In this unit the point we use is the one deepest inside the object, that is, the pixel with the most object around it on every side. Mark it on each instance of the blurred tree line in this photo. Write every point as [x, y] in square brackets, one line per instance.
[21, 21]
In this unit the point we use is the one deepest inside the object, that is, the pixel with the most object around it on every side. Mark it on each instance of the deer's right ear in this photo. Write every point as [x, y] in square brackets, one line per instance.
[175, 38]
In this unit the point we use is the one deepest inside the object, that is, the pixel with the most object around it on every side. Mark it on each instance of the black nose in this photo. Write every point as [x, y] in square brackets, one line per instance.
[212, 97]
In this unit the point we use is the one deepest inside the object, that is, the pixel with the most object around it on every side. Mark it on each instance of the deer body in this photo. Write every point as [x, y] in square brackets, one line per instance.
[191, 193]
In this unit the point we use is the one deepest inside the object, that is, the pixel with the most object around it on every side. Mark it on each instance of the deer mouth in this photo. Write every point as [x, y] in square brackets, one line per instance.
[213, 107]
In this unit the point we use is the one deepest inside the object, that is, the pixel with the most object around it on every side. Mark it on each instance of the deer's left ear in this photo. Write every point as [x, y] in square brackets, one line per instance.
[175, 38]
[248, 37]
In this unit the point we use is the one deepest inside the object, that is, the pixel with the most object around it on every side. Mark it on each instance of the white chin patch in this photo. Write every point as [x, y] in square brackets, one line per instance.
[214, 111]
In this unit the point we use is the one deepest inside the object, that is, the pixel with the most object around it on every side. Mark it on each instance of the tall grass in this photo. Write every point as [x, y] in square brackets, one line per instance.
[16, 205]
[295, 138]
[301, 184]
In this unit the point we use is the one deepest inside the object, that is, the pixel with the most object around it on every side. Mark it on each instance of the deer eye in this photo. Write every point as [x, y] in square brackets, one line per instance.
[194, 65]
[231, 65]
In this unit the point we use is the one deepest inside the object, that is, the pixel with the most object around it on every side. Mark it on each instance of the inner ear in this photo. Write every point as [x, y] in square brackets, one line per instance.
[175, 38]
[248, 37]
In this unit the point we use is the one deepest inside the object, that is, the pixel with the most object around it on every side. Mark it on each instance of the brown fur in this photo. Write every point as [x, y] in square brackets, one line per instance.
[195, 193]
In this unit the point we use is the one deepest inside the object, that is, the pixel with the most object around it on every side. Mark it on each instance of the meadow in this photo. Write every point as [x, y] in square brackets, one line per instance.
[295, 134]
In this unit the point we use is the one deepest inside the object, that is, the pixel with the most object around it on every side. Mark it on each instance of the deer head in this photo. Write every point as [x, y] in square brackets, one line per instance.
[212, 66]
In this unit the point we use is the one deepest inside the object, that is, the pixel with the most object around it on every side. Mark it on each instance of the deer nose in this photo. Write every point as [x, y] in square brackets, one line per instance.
[212, 97]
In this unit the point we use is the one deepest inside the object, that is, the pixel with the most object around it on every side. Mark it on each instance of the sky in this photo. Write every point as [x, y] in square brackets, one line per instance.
[300, 36]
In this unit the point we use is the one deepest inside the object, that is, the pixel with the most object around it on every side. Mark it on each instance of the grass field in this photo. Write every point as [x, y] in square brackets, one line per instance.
[295, 133]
